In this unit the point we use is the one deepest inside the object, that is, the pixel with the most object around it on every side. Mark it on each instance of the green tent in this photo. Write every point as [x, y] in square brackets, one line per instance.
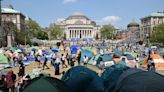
[132, 54]
[3, 59]
[46, 84]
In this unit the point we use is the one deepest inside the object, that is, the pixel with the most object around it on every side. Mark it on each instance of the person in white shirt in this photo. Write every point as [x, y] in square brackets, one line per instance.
[85, 58]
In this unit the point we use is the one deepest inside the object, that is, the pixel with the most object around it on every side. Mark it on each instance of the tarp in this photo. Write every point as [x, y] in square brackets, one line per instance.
[135, 80]
[82, 79]
[46, 84]
[111, 76]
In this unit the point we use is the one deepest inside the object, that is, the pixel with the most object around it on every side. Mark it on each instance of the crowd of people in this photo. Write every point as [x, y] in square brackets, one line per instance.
[15, 82]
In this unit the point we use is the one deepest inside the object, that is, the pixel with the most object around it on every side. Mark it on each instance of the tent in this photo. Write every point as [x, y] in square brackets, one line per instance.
[54, 50]
[3, 61]
[157, 59]
[93, 60]
[129, 60]
[74, 49]
[134, 55]
[106, 59]
[88, 53]
[135, 80]
[82, 79]
[45, 84]
[116, 52]
[111, 76]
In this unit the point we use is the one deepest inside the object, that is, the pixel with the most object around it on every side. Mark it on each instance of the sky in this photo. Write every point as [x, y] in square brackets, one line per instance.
[116, 12]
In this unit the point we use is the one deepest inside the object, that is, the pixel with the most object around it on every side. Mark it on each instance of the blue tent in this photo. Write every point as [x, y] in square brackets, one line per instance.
[88, 53]
[74, 49]
[82, 79]
[54, 50]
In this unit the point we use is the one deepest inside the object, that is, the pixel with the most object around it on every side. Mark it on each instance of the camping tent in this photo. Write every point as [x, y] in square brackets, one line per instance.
[157, 59]
[106, 59]
[82, 79]
[88, 53]
[74, 49]
[93, 60]
[3, 61]
[129, 60]
[46, 84]
[135, 80]
[111, 75]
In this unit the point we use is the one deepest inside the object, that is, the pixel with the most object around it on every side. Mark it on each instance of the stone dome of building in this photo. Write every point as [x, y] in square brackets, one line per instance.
[78, 16]
[132, 24]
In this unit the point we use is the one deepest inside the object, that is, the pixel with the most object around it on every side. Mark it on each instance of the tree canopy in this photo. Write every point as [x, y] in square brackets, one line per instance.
[107, 32]
[54, 32]
[158, 34]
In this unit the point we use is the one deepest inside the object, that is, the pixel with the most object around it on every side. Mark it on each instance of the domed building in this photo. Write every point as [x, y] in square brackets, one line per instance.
[133, 31]
[78, 26]
[133, 26]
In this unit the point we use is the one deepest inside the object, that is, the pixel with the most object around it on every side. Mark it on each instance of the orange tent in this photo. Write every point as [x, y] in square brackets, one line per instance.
[157, 59]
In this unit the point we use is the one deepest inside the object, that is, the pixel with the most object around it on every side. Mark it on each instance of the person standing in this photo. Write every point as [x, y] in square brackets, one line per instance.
[85, 58]
[10, 79]
[57, 66]
[78, 58]
[68, 58]
[63, 61]
[21, 70]
[45, 63]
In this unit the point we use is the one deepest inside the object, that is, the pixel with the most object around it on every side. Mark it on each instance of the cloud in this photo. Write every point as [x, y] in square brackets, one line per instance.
[69, 1]
[59, 20]
[109, 20]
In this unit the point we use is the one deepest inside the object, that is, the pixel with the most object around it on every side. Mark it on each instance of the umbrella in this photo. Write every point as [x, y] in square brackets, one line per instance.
[46, 84]
[54, 50]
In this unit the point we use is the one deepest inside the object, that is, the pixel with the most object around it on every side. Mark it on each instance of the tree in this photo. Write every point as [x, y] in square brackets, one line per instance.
[107, 32]
[158, 34]
[55, 32]
[34, 30]
[9, 29]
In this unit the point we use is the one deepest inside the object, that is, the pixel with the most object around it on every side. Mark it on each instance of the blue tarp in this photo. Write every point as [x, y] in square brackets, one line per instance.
[82, 79]
[75, 39]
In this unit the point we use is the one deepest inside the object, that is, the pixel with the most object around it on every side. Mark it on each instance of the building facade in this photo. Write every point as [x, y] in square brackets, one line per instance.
[79, 26]
[148, 23]
[9, 14]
